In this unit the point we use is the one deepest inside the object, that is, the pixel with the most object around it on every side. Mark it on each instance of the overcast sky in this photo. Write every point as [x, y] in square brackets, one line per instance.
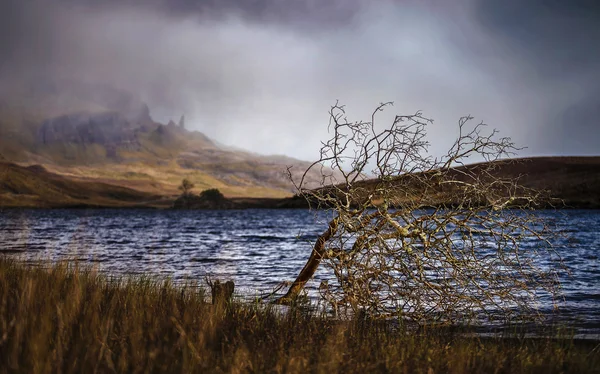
[262, 74]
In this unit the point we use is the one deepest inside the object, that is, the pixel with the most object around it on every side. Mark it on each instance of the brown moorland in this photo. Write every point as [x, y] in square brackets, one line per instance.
[574, 182]
[35, 187]
[567, 182]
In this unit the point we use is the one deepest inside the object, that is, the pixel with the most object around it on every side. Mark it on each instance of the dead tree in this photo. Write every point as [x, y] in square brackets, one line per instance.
[421, 237]
[186, 187]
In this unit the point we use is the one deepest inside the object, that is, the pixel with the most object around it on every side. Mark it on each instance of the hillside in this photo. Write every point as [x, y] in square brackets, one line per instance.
[570, 182]
[35, 187]
[97, 133]
[575, 180]
[567, 182]
[105, 142]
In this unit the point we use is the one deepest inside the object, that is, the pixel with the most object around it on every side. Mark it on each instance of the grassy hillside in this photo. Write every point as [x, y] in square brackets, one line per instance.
[164, 179]
[70, 129]
[569, 182]
[157, 162]
[97, 134]
[34, 186]
[574, 180]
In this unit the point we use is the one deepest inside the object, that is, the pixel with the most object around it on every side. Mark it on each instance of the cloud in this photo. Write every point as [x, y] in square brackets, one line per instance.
[261, 76]
[553, 48]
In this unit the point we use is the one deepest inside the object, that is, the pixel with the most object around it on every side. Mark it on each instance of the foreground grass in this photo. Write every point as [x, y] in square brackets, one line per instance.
[66, 319]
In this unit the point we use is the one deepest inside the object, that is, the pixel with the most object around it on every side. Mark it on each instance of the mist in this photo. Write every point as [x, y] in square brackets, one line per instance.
[262, 77]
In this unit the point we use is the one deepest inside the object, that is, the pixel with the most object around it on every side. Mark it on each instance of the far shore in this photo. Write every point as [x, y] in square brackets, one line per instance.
[572, 183]
[240, 203]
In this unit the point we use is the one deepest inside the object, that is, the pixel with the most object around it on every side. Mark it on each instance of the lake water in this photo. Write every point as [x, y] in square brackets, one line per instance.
[258, 249]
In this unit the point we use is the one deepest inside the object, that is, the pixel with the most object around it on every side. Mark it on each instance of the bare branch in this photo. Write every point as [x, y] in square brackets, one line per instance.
[425, 238]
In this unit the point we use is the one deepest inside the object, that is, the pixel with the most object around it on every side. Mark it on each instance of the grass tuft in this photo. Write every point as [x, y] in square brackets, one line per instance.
[71, 319]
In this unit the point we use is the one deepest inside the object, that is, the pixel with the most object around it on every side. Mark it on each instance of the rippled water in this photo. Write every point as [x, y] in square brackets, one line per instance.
[256, 248]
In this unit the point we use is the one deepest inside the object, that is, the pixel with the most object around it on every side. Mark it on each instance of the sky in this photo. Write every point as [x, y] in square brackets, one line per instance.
[261, 74]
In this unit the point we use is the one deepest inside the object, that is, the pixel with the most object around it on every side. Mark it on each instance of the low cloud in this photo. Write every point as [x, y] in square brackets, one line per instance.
[263, 78]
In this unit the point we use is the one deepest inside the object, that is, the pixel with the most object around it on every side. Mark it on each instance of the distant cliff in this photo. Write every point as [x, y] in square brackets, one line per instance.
[98, 132]
[110, 130]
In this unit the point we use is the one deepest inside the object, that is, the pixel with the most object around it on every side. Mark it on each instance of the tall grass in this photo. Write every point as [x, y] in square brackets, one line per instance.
[72, 320]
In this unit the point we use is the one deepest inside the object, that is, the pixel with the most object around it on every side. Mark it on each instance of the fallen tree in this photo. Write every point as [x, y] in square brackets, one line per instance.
[421, 237]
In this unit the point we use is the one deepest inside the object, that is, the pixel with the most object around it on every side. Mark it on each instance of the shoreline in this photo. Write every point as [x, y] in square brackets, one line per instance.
[245, 204]
[572, 182]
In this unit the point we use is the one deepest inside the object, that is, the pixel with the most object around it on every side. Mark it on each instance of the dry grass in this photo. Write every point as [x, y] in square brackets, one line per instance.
[161, 179]
[35, 187]
[65, 319]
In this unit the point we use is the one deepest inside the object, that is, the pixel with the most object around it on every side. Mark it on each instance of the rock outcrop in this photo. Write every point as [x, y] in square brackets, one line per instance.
[109, 129]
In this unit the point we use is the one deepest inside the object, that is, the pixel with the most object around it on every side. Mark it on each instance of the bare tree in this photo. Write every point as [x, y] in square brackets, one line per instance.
[186, 186]
[419, 237]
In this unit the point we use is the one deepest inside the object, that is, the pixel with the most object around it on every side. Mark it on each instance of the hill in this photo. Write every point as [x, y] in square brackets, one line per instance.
[36, 187]
[101, 136]
[575, 180]
[570, 182]
[98, 133]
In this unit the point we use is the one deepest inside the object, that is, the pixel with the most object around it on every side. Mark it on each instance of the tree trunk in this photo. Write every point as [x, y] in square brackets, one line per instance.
[311, 266]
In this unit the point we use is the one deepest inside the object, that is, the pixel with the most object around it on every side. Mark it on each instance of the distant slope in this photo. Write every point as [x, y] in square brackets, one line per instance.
[35, 187]
[94, 132]
[573, 180]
